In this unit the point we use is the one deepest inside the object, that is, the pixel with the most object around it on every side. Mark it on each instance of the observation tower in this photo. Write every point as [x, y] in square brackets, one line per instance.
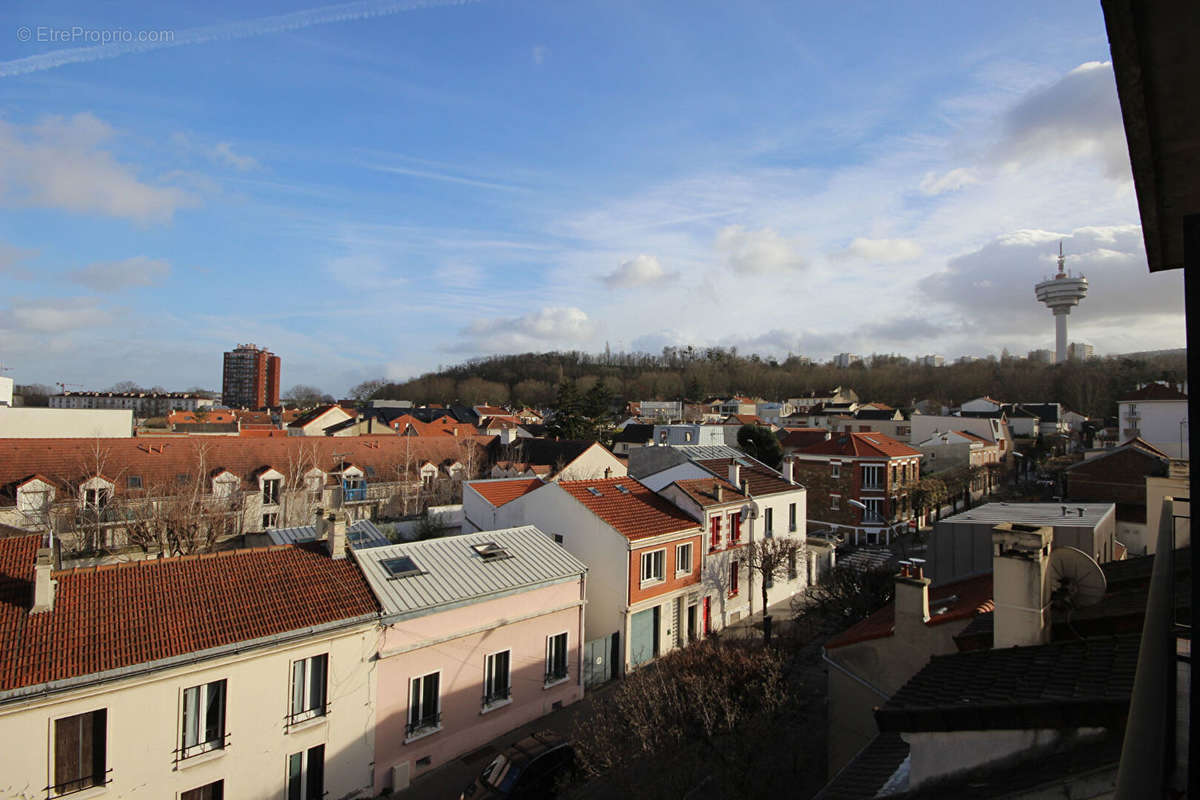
[1060, 293]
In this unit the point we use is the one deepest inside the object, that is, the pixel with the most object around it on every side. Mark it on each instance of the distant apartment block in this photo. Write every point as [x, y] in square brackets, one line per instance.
[844, 360]
[250, 378]
[932, 361]
[1078, 351]
[1042, 356]
[142, 404]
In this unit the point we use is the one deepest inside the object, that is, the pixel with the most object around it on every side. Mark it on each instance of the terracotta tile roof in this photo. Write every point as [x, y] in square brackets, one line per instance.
[1154, 391]
[762, 479]
[1083, 682]
[802, 437]
[123, 615]
[860, 445]
[973, 596]
[159, 460]
[744, 419]
[629, 507]
[212, 417]
[703, 491]
[499, 492]
[972, 437]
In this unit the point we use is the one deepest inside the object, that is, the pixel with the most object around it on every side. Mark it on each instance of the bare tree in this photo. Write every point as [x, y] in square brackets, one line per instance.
[770, 560]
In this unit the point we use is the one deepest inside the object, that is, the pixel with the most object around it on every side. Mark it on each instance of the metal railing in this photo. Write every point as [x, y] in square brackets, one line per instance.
[497, 695]
[200, 748]
[423, 723]
[296, 717]
[556, 673]
[79, 784]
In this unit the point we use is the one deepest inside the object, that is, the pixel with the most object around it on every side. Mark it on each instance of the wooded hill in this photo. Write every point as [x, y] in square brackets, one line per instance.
[1089, 387]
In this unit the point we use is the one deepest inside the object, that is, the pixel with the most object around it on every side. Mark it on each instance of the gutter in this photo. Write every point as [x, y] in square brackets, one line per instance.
[856, 678]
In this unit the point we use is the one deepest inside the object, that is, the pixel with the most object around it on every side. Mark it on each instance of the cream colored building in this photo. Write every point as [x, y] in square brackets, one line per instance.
[239, 675]
[65, 423]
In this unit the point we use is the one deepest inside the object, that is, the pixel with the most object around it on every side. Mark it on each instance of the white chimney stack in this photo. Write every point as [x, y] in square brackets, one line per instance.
[332, 528]
[735, 474]
[1020, 554]
[912, 600]
[43, 584]
[789, 470]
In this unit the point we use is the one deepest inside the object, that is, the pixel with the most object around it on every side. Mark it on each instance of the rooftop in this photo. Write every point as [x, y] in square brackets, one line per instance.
[629, 507]
[505, 490]
[949, 602]
[1153, 391]
[761, 479]
[124, 615]
[704, 490]
[860, 445]
[418, 578]
[1035, 514]
[360, 534]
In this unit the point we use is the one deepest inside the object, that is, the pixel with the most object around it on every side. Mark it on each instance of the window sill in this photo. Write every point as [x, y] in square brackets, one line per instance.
[200, 758]
[556, 682]
[305, 724]
[683, 574]
[421, 734]
[83, 794]
[652, 582]
[494, 706]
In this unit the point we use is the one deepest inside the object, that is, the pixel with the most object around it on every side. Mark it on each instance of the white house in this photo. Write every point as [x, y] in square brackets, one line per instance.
[1158, 413]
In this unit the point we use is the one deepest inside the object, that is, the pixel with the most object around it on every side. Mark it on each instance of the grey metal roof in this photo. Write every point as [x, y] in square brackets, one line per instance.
[361, 534]
[1036, 514]
[454, 574]
[704, 452]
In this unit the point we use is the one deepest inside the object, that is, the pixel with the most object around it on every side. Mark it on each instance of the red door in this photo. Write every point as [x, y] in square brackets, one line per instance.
[707, 616]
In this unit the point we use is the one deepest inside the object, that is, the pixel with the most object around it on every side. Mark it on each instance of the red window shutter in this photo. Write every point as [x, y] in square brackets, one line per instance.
[735, 527]
[716, 533]
[733, 578]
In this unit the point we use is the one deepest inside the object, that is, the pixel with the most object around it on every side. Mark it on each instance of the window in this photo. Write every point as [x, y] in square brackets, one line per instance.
[733, 579]
[400, 567]
[203, 719]
[133, 482]
[424, 712]
[683, 559]
[791, 564]
[835, 470]
[79, 752]
[835, 502]
[687, 436]
[653, 566]
[270, 520]
[212, 791]
[96, 498]
[315, 485]
[735, 527]
[872, 477]
[308, 688]
[559, 539]
[270, 491]
[306, 774]
[769, 522]
[496, 688]
[715, 533]
[874, 512]
[556, 657]
[791, 517]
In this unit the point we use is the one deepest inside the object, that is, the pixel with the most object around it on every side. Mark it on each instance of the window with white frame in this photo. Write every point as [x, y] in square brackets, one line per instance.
[209, 791]
[835, 502]
[270, 520]
[769, 522]
[556, 657]
[654, 566]
[308, 687]
[203, 719]
[270, 491]
[874, 512]
[424, 704]
[496, 688]
[224, 485]
[683, 559]
[872, 477]
[306, 774]
[835, 470]
[791, 517]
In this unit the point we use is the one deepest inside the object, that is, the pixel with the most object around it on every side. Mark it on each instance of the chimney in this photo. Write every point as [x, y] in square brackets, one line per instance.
[912, 600]
[717, 491]
[789, 470]
[332, 529]
[735, 473]
[1020, 554]
[43, 584]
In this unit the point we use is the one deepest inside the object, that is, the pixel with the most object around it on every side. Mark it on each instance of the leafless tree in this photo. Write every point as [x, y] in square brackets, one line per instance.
[771, 560]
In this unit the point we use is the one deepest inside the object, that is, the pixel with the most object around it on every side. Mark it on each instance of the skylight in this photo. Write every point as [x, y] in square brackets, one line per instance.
[622, 488]
[490, 551]
[401, 567]
[594, 491]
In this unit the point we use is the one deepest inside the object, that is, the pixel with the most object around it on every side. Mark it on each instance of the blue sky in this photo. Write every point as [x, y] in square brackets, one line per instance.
[377, 188]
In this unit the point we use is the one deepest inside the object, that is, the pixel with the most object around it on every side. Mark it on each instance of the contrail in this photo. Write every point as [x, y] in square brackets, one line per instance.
[341, 12]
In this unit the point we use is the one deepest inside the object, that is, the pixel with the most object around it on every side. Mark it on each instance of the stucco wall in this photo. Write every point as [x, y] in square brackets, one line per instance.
[144, 727]
[65, 423]
[456, 643]
[595, 462]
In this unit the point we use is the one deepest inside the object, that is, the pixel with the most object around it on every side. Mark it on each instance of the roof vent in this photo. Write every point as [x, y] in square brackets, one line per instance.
[490, 551]
[401, 567]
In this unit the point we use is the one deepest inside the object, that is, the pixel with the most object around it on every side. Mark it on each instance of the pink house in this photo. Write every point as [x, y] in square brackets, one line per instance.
[481, 634]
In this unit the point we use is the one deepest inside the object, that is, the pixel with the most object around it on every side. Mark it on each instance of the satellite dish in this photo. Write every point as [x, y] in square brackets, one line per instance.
[1074, 579]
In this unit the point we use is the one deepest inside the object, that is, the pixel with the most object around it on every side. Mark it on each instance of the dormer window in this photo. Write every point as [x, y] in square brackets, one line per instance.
[96, 492]
[270, 491]
[34, 496]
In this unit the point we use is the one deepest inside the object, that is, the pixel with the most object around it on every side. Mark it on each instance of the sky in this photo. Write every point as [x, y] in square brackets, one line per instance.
[377, 188]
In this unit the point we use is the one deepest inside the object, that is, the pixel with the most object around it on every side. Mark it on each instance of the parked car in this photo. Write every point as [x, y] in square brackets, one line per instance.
[532, 768]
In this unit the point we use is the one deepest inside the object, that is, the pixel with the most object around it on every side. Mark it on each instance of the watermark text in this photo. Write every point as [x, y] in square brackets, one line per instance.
[82, 35]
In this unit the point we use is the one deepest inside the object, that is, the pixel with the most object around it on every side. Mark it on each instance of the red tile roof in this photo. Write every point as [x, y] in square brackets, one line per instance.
[860, 445]
[123, 615]
[505, 491]
[703, 491]
[158, 460]
[636, 513]
[973, 596]
[802, 437]
[762, 479]
[971, 436]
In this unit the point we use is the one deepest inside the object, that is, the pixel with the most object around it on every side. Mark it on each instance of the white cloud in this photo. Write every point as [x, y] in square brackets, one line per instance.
[757, 252]
[552, 328]
[539, 53]
[55, 317]
[950, 181]
[113, 276]
[884, 250]
[223, 152]
[60, 163]
[643, 270]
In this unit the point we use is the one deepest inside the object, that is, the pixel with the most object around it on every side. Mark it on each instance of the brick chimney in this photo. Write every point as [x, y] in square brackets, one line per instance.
[332, 529]
[735, 473]
[1020, 554]
[43, 584]
[912, 599]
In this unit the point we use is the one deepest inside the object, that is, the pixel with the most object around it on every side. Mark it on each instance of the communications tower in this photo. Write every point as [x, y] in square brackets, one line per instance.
[1060, 293]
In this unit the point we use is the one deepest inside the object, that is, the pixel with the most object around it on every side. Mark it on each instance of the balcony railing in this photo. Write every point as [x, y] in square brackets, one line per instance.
[556, 674]
[219, 743]
[354, 495]
[422, 724]
[497, 695]
[79, 784]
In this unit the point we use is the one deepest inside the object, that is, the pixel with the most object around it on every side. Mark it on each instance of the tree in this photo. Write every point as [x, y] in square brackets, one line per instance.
[849, 594]
[770, 560]
[304, 396]
[762, 444]
[125, 387]
[569, 421]
[367, 389]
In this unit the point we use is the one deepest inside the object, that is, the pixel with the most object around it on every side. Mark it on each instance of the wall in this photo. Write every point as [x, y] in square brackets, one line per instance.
[144, 726]
[451, 642]
[65, 423]
[595, 462]
[1158, 424]
[6, 391]
[1156, 490]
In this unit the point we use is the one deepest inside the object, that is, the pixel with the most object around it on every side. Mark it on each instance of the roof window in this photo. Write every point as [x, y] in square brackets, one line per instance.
[401, 567]
[622, 488]
[490, 551]
[594, 491]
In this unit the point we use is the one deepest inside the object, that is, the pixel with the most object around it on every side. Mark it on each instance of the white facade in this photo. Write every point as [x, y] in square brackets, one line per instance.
[595, 462]
[144, 404]
[6, 391]
[1162, 423]
[143, 730]
[689, 434]
[981, 404]
[924, 426]
[61, 423]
